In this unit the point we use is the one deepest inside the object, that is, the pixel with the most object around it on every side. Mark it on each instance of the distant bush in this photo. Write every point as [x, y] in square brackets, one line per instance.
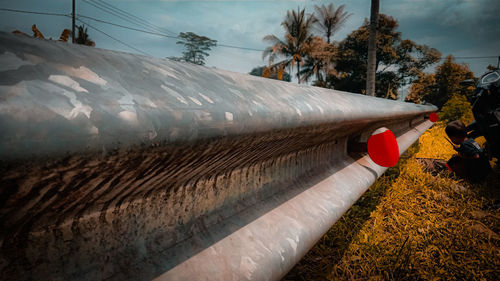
[457, 107]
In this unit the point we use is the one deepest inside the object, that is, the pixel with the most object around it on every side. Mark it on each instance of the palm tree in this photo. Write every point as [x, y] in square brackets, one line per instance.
[296, 44]
[330, 20]
[319, 62]
[83, 37]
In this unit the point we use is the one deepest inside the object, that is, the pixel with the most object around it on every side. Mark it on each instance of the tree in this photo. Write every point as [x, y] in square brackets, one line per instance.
[319, 63]
[296, 44]
[264, 71]
[65, 34]
[420, 87]
[36, 32]
[439, 87]
[83, 37]
[330, 20]
[197, 47]
[398, 61]
[457, 107]
[491, 67]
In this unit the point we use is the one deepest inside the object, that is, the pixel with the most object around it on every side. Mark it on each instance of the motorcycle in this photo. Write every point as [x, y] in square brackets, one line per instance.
[486, 110]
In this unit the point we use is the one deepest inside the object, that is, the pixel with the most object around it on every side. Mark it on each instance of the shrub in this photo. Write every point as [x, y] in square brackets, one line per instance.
[457, 107]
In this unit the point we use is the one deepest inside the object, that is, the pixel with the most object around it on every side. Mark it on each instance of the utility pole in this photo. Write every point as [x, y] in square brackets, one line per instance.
[73, 25]
[372, 50]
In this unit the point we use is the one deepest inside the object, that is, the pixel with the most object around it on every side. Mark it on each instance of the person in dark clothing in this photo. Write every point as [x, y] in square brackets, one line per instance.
[471, 162]
[467, 147]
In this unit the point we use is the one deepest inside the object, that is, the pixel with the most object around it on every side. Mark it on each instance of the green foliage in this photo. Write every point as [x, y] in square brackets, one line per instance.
[343, 65]
[398, 61]
[439, 87]
[320, 60]
[196, 48]
[296, 45]
[457, 107]
[83, 37]
[491, 67]
[421, 87]
[330, 20]
[319, 63]
[258, 71]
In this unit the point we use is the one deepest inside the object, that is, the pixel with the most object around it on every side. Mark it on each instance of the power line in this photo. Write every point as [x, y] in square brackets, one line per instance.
[242, 48]
[110, 11]
[127, 27]
[165, 35]
[132, 17]
[469, 58]
[66, 15]
[161, 34]
[121, 26]
[125, 13]
[117, 14]
[131, 47]
[136, 17]
[114, 10]
[221, 45]
[32, 12]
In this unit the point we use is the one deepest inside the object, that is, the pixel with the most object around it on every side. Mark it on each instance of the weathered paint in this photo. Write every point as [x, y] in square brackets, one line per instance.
[124, 167]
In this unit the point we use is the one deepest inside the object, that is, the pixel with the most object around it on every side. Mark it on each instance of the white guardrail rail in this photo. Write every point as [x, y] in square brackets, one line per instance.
[116, 166]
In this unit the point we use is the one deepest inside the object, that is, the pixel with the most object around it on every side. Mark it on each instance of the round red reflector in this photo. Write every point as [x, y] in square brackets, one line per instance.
[448, 166]
[383, 148]
[433, 117]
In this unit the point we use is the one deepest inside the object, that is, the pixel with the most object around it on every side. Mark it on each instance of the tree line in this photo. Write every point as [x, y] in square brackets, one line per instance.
[308, 51]
[83, 37]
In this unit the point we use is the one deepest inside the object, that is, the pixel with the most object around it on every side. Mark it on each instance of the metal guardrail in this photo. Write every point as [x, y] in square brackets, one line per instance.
[116, 166]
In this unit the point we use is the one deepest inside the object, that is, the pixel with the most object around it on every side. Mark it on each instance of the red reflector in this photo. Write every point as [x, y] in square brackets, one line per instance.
[383, 148]
[449, 168]
[433, 117]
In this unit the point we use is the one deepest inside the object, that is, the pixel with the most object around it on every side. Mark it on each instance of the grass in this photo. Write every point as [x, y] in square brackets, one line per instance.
[412, 225]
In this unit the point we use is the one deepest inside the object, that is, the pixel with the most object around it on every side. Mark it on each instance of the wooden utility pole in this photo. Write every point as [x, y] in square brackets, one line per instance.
[372, 50]
[73, 25]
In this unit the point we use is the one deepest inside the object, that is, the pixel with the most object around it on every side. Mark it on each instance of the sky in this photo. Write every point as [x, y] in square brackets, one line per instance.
[462, 28]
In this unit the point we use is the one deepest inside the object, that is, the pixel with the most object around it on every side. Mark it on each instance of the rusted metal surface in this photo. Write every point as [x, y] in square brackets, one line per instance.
[116, 166]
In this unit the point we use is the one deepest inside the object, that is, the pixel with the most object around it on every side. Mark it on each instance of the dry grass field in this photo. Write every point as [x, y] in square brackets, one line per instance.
[413, 225]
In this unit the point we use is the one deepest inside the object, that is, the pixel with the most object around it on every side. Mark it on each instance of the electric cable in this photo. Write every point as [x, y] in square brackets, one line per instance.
[161, 34]
[110, 11]
[32, 12]
[170, 36]
[470, 58]
[130, 46]
[127, 27]
[123, 12]
[116, 14]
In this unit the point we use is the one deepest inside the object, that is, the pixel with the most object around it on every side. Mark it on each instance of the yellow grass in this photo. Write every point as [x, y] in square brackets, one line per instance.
[411, 225]
[433, 143]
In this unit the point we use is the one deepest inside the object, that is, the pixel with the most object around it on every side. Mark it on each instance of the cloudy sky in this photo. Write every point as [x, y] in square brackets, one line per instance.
[462, 28]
